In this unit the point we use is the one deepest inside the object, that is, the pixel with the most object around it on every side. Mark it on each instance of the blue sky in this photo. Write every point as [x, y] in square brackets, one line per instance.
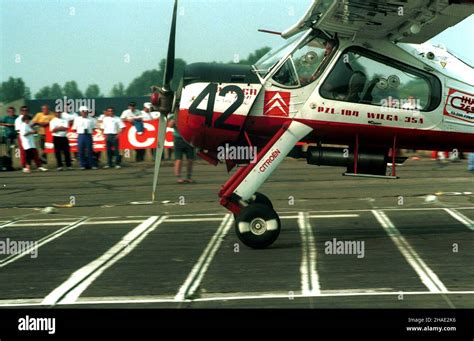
[106, 42]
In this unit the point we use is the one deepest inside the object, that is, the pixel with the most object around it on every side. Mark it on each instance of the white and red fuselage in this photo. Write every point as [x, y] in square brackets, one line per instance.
[260, 108]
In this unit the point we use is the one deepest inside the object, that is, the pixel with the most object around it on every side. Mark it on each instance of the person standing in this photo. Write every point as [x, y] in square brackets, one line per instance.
[147, 115]
[470, 165]
[70, 117]
[10, 133]
[28, 144]
[18, 122]
[84, 126]
[97, 120]
[112, 127]
[59, 127]
[42, 120]
[135, 117]
[181, 147]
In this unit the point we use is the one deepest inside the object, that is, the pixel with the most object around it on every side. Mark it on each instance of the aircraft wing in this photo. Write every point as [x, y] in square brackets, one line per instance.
[408, 21]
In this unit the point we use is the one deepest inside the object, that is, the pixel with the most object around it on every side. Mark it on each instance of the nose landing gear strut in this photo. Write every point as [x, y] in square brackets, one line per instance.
[257, 224]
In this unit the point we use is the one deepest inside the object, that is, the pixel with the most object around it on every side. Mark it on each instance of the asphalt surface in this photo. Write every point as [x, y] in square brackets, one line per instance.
[114, 248]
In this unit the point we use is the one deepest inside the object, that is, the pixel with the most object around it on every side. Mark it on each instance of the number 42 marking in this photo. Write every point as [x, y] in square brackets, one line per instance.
[211, 90]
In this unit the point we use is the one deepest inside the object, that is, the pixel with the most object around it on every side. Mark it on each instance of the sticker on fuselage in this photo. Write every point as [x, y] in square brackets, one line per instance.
[460, 105]
[277, 103]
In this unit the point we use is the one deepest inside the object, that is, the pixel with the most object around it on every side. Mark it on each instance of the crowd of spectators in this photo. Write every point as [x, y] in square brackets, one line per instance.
[27, 134]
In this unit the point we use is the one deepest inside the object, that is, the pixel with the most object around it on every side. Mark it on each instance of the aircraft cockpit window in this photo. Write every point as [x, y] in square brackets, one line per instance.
[361, 76]
[269, 60]
[302, 67]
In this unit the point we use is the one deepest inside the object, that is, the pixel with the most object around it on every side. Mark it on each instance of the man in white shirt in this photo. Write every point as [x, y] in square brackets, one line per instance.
[146, 112]
[27, 133]
[84, 126]
[135, 117]
[112, 127]
[145, 116]
[18, 122]
[59, 127]
[70, 117]
[151, 115]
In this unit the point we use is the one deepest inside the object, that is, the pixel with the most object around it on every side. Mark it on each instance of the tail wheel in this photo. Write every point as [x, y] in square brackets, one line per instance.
[259, 198]
[257, 226]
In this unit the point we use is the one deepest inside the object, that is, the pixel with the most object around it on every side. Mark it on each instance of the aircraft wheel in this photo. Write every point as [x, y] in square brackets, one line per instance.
[259, 198]
[257, 226]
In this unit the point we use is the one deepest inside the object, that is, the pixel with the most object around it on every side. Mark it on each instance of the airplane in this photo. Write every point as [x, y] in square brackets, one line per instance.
[355, 80]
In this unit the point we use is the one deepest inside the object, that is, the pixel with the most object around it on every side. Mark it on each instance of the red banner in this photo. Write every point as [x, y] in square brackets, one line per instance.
[129, 138]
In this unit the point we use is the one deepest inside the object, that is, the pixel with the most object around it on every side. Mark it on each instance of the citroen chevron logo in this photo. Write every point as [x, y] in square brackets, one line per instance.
[277, 103]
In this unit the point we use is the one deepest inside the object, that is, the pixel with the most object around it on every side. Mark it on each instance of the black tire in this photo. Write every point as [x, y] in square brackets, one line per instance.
[259, 198]
[257, 226]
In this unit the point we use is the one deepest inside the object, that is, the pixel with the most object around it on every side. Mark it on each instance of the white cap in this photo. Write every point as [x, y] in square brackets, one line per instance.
[83, 108]
[147, 105]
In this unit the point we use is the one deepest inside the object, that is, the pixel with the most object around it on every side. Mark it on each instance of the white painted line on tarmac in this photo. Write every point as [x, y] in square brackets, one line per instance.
[20, 224]
[408, 209]
[192, 282]
[309, 275]
[43, 241]
[192, 215]
[7, 223]
[191, 220]
[74, 286]
[322, 294]
[332, 216]
[88, 222]
[427, 276]
[48, 219]
[111, 299]
[114, 222]
[135, 217]
[18, 302]
[461, 218]
[222, 297]
[323, 216]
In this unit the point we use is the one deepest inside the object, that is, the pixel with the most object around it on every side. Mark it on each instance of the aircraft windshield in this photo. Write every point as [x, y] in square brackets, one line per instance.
[305, 63]
[265, 64]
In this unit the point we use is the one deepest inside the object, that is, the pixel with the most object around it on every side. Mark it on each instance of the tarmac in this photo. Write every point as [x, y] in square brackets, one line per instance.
[109, 246]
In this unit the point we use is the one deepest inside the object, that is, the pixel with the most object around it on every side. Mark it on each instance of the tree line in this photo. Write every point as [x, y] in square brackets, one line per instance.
[15, 88]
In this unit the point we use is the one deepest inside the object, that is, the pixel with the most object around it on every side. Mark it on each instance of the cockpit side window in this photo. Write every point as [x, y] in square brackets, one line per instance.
[361, 76]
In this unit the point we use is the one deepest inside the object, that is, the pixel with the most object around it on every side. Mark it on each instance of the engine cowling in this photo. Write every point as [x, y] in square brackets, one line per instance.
[214, 102]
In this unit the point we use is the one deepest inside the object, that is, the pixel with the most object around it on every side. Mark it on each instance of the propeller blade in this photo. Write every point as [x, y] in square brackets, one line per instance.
[165, 98]
[169, 68]
[163, 121]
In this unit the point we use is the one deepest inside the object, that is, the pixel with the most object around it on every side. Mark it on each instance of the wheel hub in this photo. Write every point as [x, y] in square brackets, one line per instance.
[258, 226]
